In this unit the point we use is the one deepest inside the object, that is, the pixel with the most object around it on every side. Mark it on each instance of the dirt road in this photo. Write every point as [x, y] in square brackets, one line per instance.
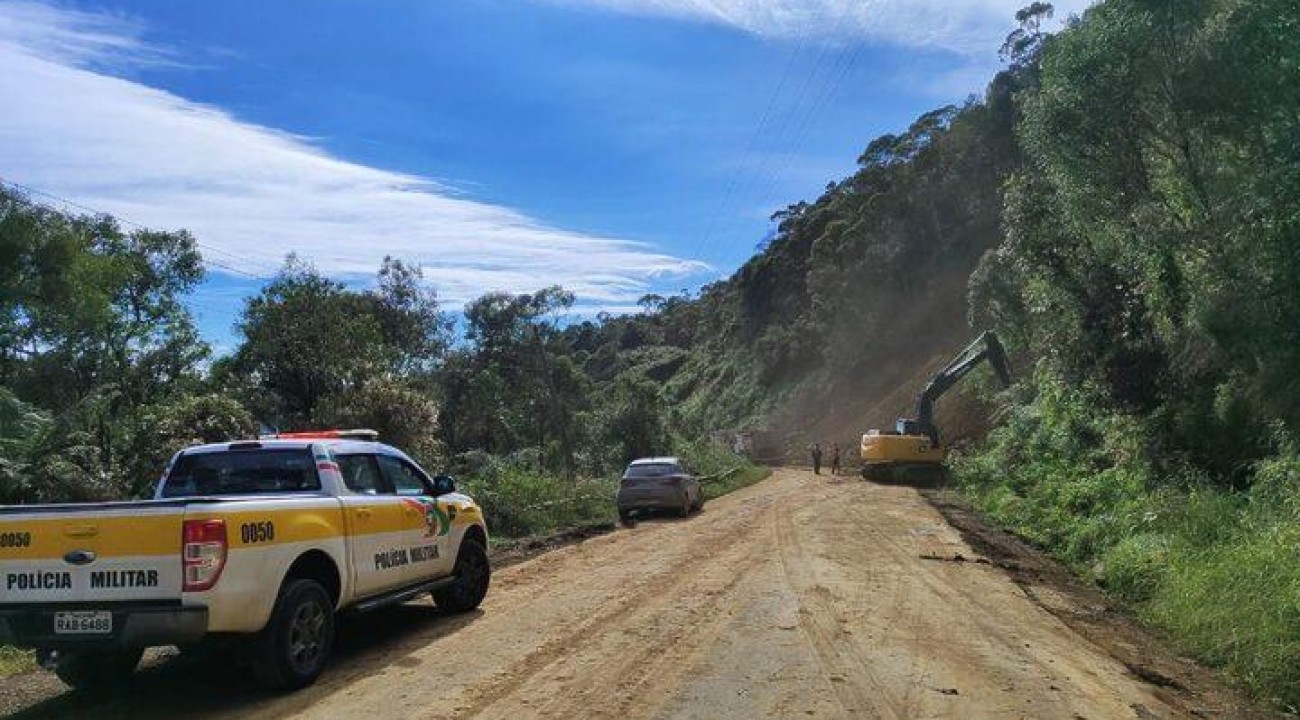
[797, 597]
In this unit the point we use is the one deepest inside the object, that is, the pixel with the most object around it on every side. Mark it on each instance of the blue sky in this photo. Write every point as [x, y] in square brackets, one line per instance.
[616, 147]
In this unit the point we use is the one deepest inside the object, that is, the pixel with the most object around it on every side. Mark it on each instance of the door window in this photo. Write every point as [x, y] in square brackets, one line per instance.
[361, 474]
[403, 476]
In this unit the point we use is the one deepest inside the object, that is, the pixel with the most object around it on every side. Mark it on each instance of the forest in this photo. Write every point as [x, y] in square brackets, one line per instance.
[1122, 205]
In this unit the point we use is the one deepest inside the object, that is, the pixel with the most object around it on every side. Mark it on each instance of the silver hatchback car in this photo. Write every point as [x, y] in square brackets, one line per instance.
[661, 483]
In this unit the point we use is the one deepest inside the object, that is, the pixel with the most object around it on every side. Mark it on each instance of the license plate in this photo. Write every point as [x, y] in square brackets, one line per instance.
[83, 623]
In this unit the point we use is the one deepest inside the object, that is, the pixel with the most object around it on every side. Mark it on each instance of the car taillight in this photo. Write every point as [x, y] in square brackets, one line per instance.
[203, 554]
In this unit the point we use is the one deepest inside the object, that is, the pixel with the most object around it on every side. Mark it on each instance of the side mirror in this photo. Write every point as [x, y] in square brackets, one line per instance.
[443, 484]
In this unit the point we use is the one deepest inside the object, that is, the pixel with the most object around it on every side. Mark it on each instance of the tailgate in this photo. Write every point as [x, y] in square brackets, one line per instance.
[90, 554]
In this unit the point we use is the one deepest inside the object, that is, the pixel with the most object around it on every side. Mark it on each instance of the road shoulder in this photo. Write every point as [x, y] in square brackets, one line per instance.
[1177, 680]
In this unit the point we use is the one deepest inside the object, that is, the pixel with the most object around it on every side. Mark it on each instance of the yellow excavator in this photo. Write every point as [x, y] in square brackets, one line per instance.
[911, 453]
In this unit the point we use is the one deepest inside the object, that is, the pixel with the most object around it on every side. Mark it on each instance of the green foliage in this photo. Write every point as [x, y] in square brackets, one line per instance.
[14, 661]
[1149, 265]
[306, 338]
[519, 501]
[163, 429]
[404, 413]
[1215, 568]
[635, 422]
[1150, 239]
[92, 335]
[515, 384]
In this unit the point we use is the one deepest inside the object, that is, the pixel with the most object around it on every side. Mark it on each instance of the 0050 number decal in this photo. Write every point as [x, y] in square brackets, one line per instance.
[15, 540]
[258, 532]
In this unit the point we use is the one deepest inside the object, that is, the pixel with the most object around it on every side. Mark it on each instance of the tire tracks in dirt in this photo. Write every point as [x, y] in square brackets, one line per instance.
[799, 596]
[817, 621]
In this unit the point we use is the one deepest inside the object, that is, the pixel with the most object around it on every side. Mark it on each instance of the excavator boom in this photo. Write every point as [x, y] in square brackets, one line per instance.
[912, 452]
[986, 347]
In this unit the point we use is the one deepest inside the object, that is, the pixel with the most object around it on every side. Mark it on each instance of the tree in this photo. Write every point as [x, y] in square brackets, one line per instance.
[410, 318]
[1024, 45]
[515, 385]
[305, 338]
[635, 424]
[92, 330]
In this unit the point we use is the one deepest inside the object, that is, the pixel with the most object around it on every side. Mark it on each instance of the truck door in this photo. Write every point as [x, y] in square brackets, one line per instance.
[377, 524]
[428, 521]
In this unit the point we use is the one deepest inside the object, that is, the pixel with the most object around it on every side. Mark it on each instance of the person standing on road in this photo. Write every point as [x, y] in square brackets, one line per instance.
[817, 458]
[835, 459]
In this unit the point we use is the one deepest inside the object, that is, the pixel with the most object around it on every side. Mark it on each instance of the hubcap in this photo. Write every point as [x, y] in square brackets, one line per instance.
[307, 635]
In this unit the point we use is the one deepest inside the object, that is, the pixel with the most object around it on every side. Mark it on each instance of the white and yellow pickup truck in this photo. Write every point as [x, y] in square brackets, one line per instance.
[262, 542]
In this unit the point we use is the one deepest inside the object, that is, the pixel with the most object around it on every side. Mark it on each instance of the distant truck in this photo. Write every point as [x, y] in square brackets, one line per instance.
[262, 541]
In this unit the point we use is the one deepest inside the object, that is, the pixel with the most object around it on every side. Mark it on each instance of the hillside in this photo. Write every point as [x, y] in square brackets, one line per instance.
[1123, 206]
[835, 324]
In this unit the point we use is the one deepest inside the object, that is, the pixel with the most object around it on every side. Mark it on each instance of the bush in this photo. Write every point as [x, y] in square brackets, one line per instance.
[519, 501]
[1216, 568]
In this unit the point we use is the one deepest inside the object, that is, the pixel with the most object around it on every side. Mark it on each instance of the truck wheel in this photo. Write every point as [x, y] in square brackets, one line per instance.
[625, 517]
[95, 669]
[291, 650]
[473, 575]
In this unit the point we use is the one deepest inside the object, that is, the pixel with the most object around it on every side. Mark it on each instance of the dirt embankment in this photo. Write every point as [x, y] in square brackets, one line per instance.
[800, 596]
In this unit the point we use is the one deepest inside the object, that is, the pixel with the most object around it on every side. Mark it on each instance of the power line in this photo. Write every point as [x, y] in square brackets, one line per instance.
[848, 62]
[734, 180]
[758, 178]
[767, 178]
[28, 189]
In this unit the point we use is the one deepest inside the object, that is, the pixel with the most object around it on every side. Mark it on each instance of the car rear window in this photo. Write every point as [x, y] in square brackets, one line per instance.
[650, 470]
[243, 472]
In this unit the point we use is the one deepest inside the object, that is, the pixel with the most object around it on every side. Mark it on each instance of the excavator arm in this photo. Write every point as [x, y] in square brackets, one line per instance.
[986, 347]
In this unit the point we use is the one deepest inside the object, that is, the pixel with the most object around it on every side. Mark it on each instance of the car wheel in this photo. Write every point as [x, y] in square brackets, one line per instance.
[473, 575]
[292, 649]
[625, 517]
[94, 669]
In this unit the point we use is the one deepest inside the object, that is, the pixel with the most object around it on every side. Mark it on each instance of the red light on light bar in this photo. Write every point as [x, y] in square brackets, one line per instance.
[358, 434]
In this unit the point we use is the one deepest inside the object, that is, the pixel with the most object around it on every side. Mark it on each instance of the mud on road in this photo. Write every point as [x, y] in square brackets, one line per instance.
[802, 596]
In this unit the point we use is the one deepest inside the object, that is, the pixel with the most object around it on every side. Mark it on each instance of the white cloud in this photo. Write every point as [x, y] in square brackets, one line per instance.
[256, 193]
[963, 26]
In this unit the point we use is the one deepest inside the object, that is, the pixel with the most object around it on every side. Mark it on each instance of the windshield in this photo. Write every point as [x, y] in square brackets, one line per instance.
[650, 470]
[243, 472]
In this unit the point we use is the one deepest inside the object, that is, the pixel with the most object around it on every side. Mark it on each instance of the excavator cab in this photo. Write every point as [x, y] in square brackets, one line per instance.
[911, 454]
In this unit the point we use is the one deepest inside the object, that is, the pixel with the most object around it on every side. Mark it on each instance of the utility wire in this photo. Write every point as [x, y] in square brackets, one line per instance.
[759, 178]
[735, 179]
[849, 62]
[29, 190]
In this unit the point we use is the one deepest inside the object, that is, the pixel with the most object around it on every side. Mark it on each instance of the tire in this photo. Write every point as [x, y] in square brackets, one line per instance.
[473, 575]
[625, 517]
[95, 669]
[291, 651]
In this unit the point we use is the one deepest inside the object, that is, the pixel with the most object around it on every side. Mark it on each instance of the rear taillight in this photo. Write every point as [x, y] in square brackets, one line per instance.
[203, 554]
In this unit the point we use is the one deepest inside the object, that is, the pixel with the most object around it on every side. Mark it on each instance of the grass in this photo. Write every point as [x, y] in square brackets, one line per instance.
[14, 661]
[742, 477]
[1217, 570]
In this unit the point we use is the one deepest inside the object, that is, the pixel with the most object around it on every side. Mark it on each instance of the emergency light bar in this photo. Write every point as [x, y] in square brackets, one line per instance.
[356, 434]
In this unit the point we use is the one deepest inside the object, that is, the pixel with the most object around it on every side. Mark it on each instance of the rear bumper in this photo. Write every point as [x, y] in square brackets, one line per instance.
[136, 626]
[648, 499]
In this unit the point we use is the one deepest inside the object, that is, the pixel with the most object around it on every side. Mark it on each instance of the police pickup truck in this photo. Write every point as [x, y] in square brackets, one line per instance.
[261, 542]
